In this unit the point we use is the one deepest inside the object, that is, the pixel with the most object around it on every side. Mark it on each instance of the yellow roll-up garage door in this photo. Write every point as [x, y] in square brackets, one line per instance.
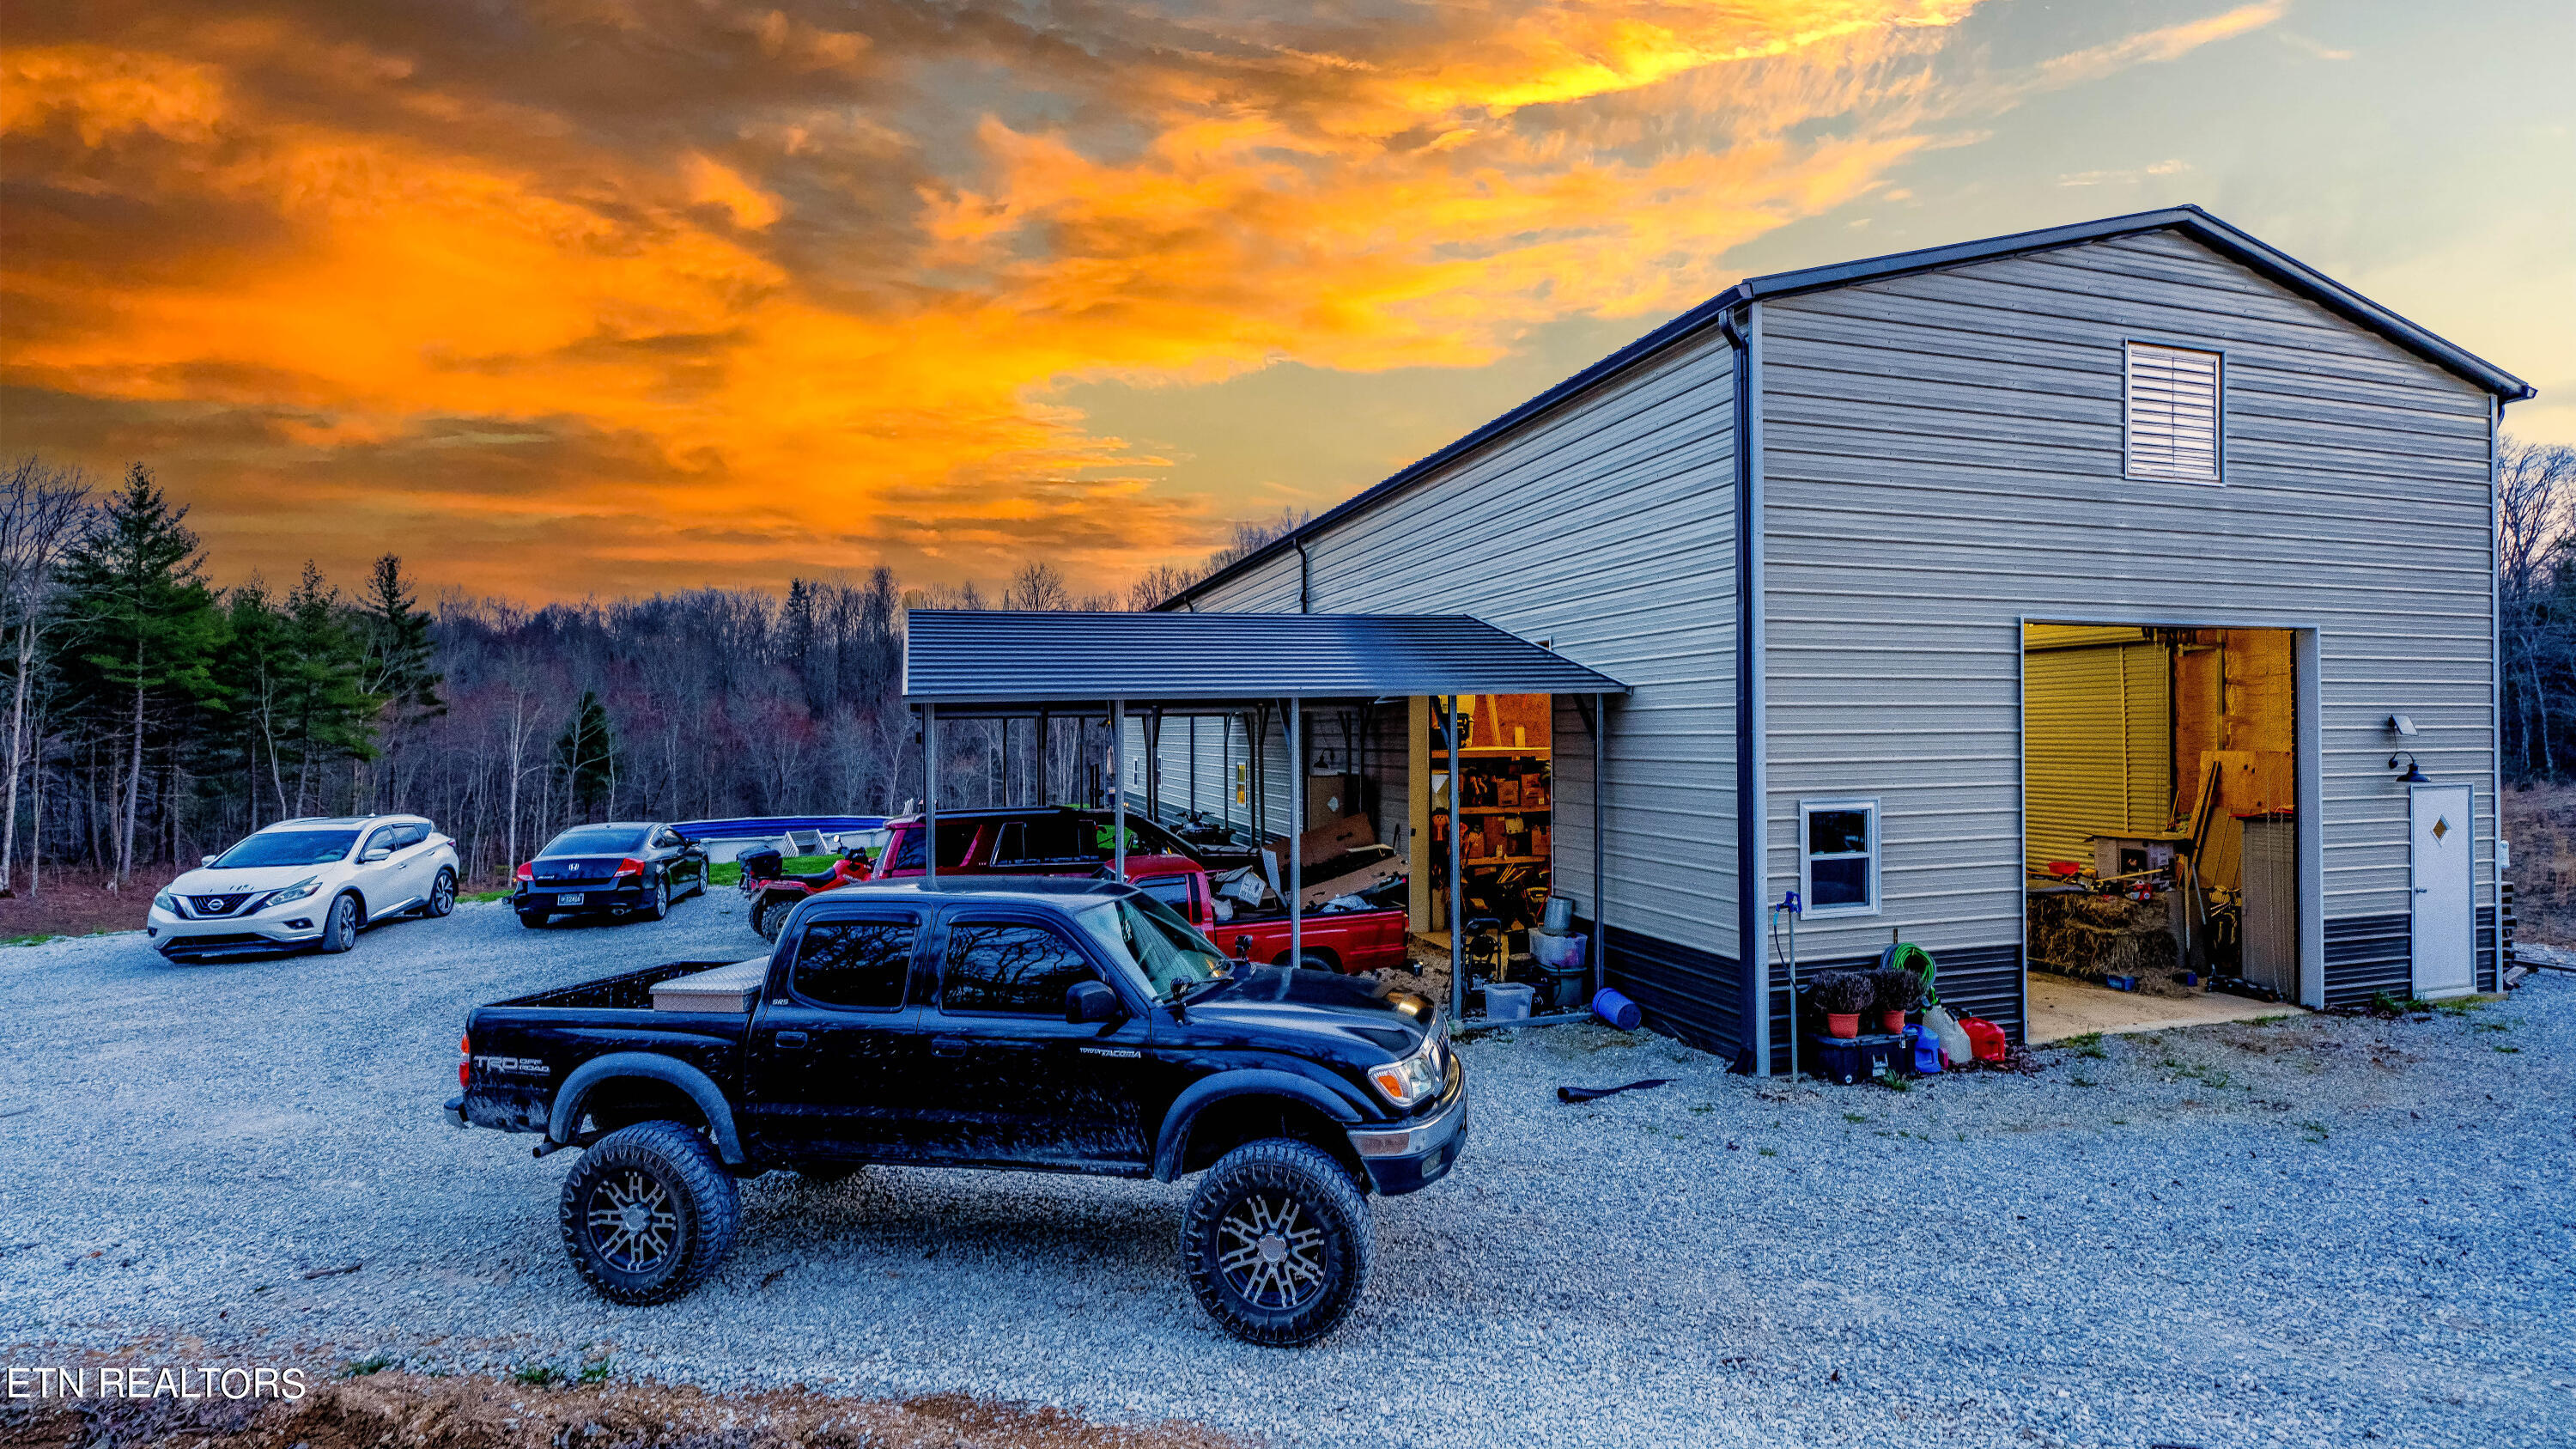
[2096, 738]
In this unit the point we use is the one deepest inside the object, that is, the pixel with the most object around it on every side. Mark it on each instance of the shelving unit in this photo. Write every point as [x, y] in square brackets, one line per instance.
[1523, 718]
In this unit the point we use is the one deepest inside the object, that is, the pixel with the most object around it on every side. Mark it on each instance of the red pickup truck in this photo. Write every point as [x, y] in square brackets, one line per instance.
[1346, 941]
[1047, 840]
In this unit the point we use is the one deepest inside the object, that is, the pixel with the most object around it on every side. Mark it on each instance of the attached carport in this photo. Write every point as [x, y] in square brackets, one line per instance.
[1015, 664]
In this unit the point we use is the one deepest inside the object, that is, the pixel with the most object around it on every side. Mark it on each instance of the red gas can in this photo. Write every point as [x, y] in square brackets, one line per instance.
[1985, 1039]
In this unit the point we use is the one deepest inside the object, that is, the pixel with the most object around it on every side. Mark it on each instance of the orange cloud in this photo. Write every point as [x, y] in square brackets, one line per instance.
[638, 293]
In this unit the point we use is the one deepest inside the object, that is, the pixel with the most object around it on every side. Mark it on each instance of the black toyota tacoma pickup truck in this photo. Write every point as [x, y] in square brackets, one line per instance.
[1051, 1025]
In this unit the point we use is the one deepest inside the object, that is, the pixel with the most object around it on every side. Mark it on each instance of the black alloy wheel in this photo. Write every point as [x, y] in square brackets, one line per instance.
[340, 927]
[442, 895]
[660, 903]
[1276, 1243]
[648, 1213]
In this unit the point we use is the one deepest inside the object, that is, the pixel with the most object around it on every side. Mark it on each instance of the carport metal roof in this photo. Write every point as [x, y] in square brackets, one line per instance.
[1012, 661]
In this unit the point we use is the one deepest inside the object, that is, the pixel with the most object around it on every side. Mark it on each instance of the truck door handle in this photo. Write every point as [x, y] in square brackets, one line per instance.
[787, 1040]
[949, 1046]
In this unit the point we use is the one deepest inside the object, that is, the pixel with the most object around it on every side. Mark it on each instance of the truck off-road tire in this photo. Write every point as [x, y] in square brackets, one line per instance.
[442, 895]
[661, 902]
[1312, 962]
[340, 927]
[1276, 1242]
[648, 1213]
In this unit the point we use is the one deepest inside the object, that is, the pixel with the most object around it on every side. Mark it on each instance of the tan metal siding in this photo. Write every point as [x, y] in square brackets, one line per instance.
[1607, 528]
[1943, 458]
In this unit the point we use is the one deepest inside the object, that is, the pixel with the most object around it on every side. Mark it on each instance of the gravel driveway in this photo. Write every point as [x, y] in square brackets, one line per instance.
[2307, 1232]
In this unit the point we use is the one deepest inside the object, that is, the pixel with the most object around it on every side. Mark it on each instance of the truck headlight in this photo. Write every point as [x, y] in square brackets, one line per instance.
[1409, 1081]
[297, 891]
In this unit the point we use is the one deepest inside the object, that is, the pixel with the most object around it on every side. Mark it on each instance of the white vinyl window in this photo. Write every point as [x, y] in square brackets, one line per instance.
[2173, 413]
[1838, 857]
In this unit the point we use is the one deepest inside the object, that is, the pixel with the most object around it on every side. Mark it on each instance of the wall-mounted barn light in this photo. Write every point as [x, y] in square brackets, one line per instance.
[2413, 775]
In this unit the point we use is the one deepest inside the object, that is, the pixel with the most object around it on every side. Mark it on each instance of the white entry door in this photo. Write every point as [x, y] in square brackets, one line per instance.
[2444, 867]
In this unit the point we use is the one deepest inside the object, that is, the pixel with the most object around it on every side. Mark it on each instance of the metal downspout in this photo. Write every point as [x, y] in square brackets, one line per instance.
[1752, 805]
[1305, 576]
[2495, 710]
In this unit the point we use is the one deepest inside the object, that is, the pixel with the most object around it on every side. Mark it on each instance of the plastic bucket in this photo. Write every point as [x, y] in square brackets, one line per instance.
[1616, 1009]
[1558, 918]
[1557, 951]
[1507, 1001]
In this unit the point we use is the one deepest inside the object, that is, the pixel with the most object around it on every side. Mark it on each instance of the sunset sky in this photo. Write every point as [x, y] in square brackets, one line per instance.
[610, 296]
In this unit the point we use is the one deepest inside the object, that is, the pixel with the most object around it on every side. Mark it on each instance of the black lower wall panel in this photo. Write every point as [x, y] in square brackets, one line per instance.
[2366, 955]
[2487, 949]
[1972, 980]
[1685, 992]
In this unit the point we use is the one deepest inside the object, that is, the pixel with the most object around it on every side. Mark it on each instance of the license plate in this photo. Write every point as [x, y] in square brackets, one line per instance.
[573, 899]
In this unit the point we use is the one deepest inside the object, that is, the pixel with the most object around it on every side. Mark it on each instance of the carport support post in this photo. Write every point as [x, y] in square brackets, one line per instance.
[930, 792]
[1118, 787]
[1600, 849]
[1457, 882]
[1296, 825]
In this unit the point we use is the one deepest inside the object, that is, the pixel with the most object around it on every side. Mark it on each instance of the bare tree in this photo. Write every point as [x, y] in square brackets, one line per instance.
[43, 507]
[1157, 584]
[2535, 494]
[1254, 535]
[1038, 585]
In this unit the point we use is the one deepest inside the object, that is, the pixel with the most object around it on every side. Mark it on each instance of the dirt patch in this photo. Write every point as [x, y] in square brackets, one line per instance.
[2540, 825]
[79, 903]
[399, 1409]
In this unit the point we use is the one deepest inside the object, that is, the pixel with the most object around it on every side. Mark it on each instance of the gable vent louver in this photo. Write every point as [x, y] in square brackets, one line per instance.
[2173, 413]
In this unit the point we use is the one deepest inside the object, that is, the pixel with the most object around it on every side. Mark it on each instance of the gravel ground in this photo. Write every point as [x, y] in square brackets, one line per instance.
[2319, 1231]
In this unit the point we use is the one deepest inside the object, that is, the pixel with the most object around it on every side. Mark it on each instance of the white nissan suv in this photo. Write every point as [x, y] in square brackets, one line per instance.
[310, 882]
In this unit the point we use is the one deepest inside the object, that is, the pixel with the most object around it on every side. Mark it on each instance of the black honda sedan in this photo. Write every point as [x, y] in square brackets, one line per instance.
[619, 870]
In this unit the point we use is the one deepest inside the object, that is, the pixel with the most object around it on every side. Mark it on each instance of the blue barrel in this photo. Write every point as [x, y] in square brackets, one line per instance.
[1616, 1009]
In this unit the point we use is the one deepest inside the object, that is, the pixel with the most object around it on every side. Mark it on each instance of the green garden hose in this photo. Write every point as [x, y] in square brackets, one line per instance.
[1906, 956]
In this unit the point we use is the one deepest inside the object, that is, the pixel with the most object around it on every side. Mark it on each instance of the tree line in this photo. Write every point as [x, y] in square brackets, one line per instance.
[154, 717]
[2536, 607]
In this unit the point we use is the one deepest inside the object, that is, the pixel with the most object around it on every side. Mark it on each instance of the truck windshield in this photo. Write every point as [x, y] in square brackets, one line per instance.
[292, 847]
[1144, 930]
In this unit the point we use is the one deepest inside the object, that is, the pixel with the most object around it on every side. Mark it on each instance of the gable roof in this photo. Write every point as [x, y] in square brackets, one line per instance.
[2191, 221]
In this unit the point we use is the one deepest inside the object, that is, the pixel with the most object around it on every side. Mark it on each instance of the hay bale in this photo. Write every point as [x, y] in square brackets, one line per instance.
[2092, 938]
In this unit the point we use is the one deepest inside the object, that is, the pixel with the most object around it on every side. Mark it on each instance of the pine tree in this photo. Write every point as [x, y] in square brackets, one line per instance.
[254, 674]
[141, 628]
[334, 713]
[586, 756]
[401, 655]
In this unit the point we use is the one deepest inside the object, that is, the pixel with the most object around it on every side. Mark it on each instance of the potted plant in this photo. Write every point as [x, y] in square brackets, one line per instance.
[1842, 996]
[1894, 991]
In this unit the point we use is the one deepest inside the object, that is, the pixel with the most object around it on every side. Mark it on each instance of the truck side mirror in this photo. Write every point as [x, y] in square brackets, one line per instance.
[205, 860]
[1089, 1001]
[1243, 948]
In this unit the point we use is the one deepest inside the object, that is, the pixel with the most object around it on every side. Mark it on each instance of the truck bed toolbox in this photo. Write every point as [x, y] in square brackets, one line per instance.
[731, 989]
